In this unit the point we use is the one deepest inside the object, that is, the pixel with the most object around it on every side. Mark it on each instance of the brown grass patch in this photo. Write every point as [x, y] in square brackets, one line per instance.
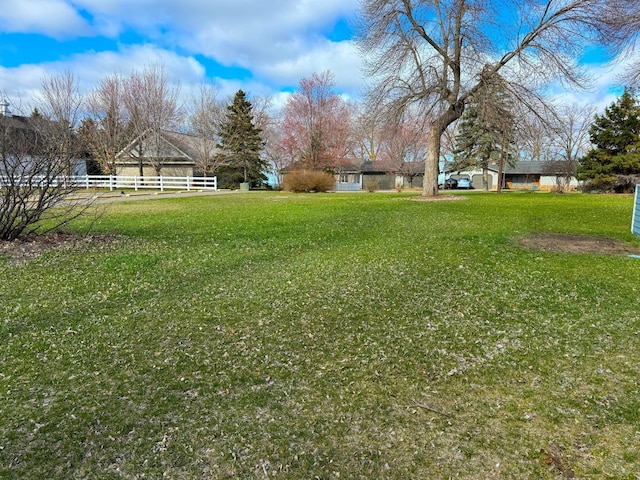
[33, 246]
[558, 242]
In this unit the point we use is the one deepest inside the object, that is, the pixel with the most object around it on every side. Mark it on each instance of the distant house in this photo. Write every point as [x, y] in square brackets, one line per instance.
[165, 153]
[378, 175]
[24, 138]
[526, 175]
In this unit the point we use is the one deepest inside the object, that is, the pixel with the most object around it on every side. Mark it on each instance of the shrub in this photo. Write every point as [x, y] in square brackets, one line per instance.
[308, 181]
[371, 184]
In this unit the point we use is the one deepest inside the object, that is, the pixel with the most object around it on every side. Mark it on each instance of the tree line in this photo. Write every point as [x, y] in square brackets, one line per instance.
[244, 139]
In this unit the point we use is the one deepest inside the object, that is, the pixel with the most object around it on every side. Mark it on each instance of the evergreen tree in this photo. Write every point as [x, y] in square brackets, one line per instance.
[241, 145]
[486, 129]
[615, 160]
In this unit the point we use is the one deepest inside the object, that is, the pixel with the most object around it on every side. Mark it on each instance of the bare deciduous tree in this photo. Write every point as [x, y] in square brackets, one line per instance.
[152, 106]
[405, 144]
[278, 152]
[622, 20]
[61, 103]
[108, 132]
[205, 118]
[569, 142]
[262, 106]
[438, 53]
[369, 132]
[316, 123]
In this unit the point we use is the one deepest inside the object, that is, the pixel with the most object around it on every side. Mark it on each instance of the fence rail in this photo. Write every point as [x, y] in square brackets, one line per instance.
[114, 182]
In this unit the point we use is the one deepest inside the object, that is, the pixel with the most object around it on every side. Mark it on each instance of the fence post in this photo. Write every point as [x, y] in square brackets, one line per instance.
[135, 183]
[188, 185]
[161, 184]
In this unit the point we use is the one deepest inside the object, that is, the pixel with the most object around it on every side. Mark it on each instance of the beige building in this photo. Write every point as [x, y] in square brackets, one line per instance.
[167, 154]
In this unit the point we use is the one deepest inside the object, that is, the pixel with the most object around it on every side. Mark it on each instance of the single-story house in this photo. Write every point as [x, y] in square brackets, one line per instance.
[527, 175]
[170, 154]
[378, 175]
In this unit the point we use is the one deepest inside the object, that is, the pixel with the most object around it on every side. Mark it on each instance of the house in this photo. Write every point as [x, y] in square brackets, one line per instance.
[378, 175]
[166, 153]
[527, 175]
[34, 146]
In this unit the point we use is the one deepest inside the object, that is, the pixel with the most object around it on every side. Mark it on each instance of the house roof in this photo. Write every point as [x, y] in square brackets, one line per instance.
[533, 168]
[368, 167]
[188, 144]
[175, 145]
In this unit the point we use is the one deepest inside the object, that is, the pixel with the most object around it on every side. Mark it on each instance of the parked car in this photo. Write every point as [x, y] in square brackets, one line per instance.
[464, 182]
[450, 183]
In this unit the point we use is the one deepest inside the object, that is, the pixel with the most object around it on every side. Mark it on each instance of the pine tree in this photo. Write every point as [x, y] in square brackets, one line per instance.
[615, 160]
[486, 129]
[241, 145]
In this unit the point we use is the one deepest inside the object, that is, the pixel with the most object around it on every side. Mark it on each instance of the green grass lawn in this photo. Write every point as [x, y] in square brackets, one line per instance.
[325, 336]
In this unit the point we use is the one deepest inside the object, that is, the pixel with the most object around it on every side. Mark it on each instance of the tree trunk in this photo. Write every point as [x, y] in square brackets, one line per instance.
[430, 181]
[437, 128]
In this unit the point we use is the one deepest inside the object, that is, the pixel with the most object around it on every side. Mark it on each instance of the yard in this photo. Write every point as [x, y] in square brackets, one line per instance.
[327, 336]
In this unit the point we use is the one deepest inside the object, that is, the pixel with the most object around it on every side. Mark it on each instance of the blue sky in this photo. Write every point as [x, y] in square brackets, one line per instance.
[262, 46]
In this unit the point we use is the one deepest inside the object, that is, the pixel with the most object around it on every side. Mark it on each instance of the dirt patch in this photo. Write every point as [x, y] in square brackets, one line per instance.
[557, 242]
[28, 248]
[438, 198]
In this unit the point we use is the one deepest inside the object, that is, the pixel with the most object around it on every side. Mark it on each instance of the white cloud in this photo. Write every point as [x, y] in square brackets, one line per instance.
[252, 34]
[340, 58]
[56, 18]
[22, 84]
[606, 84]
[279, 42]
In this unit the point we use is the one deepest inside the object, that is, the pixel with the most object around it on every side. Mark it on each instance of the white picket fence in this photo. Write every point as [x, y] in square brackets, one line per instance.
[114, 182]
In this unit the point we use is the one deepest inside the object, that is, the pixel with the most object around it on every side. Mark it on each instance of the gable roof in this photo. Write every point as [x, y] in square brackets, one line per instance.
[188, 145]
[175, 147]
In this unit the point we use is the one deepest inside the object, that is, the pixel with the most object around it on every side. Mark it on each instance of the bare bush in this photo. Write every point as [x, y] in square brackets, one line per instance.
[34, 187]
[37, 155]
[301, 181]
[371, 184]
